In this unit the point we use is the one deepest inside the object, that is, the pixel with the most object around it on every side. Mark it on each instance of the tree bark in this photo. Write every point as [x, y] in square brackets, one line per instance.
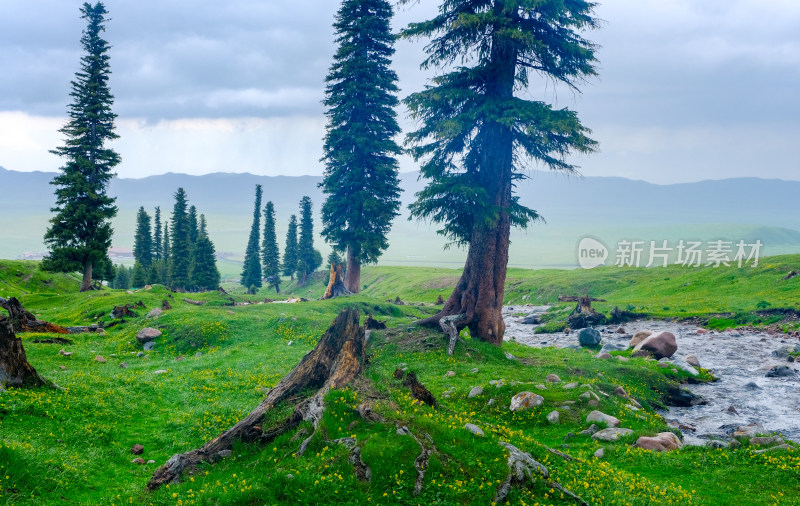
[336, 287]
[15, 371]
[352, 274]
[86, 284]
[333, 363]
[22, 320]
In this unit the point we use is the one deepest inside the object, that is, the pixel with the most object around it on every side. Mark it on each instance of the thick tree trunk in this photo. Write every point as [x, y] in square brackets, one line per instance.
[86, 284]
[333, 363]
[23, 320]
[352, 274]
[479, 293]
[15, 371]
[336, 287]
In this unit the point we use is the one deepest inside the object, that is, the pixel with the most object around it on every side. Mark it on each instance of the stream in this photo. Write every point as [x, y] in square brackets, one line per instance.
[740, 359]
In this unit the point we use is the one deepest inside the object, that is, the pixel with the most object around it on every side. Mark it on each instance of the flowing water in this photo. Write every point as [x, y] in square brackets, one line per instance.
[740, 359]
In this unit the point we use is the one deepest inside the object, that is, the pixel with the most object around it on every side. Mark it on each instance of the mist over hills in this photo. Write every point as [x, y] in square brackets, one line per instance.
[608, 208]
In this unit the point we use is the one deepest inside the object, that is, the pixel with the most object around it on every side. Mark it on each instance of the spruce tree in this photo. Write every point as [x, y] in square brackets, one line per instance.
[80, 232]
[361, 180]
[479, 128]
[157, 246]
[251, 271]
[139, 276]
[205, 275]
[166, 255]
[308, 259]
[270, 254]
[193, 226]
[180, 254]
[290, 252]
[122, 279]
[143, 240]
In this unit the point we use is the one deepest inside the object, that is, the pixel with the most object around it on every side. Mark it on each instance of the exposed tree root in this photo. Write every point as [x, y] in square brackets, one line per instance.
[23, 320]
[421, 462]
[333, 363]
[522, 468]
[361, 469]
[449, 325]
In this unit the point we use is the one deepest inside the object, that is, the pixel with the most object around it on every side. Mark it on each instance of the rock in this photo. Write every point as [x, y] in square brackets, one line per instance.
[64, 353]
[100, 358]
[663, 365]
[149, 346]
[621, 330]
[541, 387]
[692, 361]
[679, 398]
[781, 371]
[775, 448]
[701, 332]
[639, 337]
[685, 366]
[123, 365]
[622, 359]
[600, 453]
[570, 386]
[140, 354]
[590, 430]
[474, 370]
[752, 386]
[663, 442]
[716, 444]
[525, 400]
[593, 403]
[62, 367]
[491, 402]
[620, 392]
[180, 358]
[137, 449]
[748, 430]
[764, 441]
[552, 378]
[611, 434]
[553, 416]
[607, 347]
[160, 371]
[509, 356]
[589, 337]
[603, 355]
[598, 416]
[474, 429]
[225, 453]
[147, 334]
[530, 320]
[476, 391]
[138, 460]
[449, 374]
[155, 313]
[151, 461]
[732, 410]
[661, 345]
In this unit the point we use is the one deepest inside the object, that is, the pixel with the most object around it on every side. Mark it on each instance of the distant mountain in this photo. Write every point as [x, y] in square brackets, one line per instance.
[608, 208]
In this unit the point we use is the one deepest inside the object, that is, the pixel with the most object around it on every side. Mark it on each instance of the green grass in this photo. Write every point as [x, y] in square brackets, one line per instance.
[73, 445]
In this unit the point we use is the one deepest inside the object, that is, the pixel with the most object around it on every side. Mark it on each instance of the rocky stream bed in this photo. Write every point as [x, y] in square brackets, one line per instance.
[741, 360]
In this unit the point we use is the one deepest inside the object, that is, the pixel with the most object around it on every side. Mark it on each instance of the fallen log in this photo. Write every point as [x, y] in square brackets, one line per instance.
[23, 320]
[195, 302]
[336, 360]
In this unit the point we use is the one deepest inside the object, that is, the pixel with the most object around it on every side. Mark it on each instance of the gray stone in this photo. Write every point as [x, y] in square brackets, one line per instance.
[149, 346]
[716, 444]
[570, 386]
[661, 345]
[553, 416]
[611, 434]
[491, 402]
[589, 337]
[155, 313]
[590, 430]
[692, 361]
[147, 334]
[123, 365]
[599, 416]
[600, 453]
[552, 378]
[449, 374]
[525, 400]
[781, 371]
[476, 391]
[160, 371]
[474, 429]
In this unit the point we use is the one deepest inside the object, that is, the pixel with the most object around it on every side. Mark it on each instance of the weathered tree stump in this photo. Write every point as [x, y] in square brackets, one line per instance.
[333, 363]
[15, 371]
[336, 287]
[584, 314]
[371, 323]
[23, 320]
[165, 305]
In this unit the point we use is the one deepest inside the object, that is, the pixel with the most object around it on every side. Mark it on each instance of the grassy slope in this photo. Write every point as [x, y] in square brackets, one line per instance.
[74, 444]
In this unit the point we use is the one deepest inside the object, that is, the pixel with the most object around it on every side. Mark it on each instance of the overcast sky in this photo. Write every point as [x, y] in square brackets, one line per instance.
[688, 89]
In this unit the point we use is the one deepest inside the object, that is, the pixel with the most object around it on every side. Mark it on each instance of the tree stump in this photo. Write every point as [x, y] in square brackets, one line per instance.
[335, 361]
[336, 286]
[23, 320]
[15, 371]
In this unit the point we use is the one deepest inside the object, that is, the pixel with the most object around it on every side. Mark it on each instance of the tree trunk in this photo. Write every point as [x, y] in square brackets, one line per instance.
[333, 363]
[15, 371]
[336, 287]
[22, 320]
[86, 284]
[479, 293]
[352, 274]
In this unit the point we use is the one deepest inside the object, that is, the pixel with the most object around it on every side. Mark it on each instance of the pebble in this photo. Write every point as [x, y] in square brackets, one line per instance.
[474, 429]
[600, 453]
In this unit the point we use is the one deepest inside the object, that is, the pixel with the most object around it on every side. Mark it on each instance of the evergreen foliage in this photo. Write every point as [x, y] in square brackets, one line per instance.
[290, 251]
[205, 275]
[143, 240]
[80, 232]
[251, 271]
[308, 259]
[157, 235]
[180, 253]
[139, 277]
[270, 254]
[122, 278]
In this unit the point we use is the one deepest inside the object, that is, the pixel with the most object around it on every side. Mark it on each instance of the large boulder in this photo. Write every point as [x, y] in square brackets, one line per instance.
[663, 442]
[611, 434]
[589, 337]
[781, 371]
[147, 334]
[661, 345]
[639, 337]
[525, 400]
[599, 416]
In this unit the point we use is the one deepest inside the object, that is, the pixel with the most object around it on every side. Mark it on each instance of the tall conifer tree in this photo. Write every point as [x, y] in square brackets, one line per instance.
[290, 251]
[205, 275]
[308, 259]
[180, 254]
[251, 271]
[361, 179]
[270, 254]
[166, 256]
[157, 234]
[478, 128]
[143, 240]
[80, 232]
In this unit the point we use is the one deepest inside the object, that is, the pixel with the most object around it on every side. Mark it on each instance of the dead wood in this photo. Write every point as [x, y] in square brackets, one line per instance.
[371, 323]
[23, 320]
[194, 302]
[418, 390]
[336, 287]
[360, 468]
[336, 360]
[449, 325]
[123, 311]
[165, 305]
[15, 371]
[522, 468]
